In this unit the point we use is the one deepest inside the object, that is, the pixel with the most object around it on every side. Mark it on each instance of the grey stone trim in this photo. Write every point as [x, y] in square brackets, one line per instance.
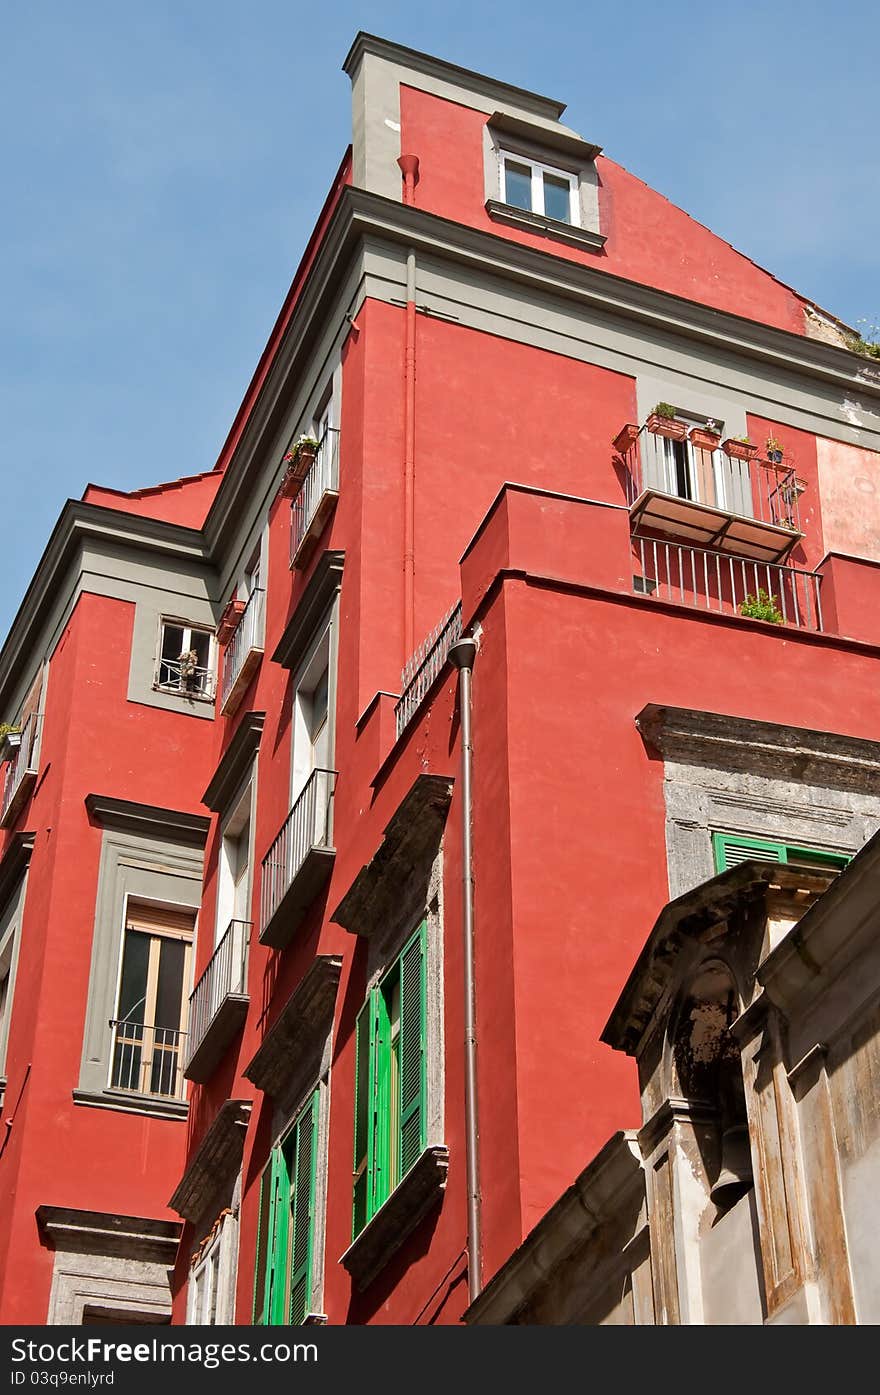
[300, 1029]
[148, 820]
[235, 763]
[414, 1196]
[595, 1196]
[320, 593]
[105, 1233]
[14, 863]
[414, 832]
[129, 1102]
[549, 227]
[152, 606]
[216, 1159]
[153, 869]
[571, 146]
[417, 62]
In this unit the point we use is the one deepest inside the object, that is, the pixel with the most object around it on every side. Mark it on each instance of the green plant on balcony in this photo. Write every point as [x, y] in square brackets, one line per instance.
[867, 343]
[761, 607]
[665, 410]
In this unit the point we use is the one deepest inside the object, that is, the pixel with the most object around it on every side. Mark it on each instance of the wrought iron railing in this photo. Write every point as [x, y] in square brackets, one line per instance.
[726, 584]
[425, 664]
[179, 676]
[225, 973]
[754, 488]
[22, 760]
[248, 635]
[147, 1060]
[322, 477]
[307, 826]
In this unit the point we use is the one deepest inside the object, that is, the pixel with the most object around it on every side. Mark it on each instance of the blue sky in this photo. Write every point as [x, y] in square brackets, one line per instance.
[163, 163]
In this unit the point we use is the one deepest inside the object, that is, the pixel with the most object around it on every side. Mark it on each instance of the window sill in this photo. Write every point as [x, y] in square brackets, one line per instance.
[397, 1218]
[129, 1103]
[547, 227]
[185, 694]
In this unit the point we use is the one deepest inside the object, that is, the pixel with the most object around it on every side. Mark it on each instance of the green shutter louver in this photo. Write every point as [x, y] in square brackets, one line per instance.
[363, 1117]
[278, 1241]
[302, 1201]
[412, 1053]
[731, 851]
[260, 1314]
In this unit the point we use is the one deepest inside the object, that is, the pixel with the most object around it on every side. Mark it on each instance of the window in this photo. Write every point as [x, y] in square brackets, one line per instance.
[154, 981]
[312, 741]
[8, 935]
[390, 1088]
[204, 1286]
[730, 851]
[286, 1226]
[538, 188]
[186, 660]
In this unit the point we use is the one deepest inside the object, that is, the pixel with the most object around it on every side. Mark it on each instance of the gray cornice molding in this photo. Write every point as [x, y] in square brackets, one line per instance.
[569, 233]
[420, 62]
[235, 762]
[78, 523]
[216, 1159]
[14, 863]
[148, 820]
[714, 740]
[413, 833]
[103, 1233]
[301, 1026]
[593, 1198]
[560, 139]
[414, 1196]
[322, 588]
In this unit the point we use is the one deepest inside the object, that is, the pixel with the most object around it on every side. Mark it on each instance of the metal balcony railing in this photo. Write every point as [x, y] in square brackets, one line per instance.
[22, 761]
[247, 640]
[178, 676]
[320, 485]
[752, 489]
[147, 1060]
[726, 584]
[424, 665]
[307, 826]
[225, 973]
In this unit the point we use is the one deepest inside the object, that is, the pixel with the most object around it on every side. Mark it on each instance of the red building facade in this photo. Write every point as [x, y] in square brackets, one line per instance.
[506, 398]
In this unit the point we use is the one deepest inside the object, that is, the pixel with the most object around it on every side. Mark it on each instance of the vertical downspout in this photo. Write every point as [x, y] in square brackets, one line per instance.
[462, 655]
[409, 165]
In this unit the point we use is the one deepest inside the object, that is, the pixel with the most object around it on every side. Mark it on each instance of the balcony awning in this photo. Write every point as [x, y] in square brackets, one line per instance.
[710, 527]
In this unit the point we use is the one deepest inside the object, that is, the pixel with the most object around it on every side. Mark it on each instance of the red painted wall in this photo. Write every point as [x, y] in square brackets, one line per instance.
[649, 240]
[184, 501]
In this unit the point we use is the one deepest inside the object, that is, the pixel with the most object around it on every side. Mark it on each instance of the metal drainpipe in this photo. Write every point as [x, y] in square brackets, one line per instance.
[462, 655]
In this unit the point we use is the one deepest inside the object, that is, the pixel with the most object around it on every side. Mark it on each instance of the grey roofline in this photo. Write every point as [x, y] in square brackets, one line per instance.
[438, 67]
[79, 520]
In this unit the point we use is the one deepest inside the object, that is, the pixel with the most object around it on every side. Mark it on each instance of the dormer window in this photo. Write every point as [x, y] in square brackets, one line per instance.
[538, 188]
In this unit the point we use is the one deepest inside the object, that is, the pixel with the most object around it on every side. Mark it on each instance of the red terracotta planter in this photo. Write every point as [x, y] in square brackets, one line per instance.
[705, 440]
[667, 426]
[625, 438]
[739, 450]
[229, 621]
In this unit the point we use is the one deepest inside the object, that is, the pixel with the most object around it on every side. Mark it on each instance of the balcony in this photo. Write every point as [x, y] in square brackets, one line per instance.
[299, 861]
[21, 769]
[748, 507]
[147, 1060]
[315, 501]
[218, 1004]
[424, 665]
[185, 679]
[726, 585]
[244, 649]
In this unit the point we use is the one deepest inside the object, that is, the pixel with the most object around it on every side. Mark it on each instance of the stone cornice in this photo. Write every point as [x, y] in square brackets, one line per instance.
[305, 1019]
[235, 762]
[216, 1159]
[103, 1233]
[322, 588]
[148, 820]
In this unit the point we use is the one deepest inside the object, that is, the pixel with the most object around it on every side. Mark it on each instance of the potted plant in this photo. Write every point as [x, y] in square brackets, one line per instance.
[739, 448]
[706, 437]
[761, 607]
[625, 438]
[774, 451]
[663, 423]
[10, 740]
[229, 620]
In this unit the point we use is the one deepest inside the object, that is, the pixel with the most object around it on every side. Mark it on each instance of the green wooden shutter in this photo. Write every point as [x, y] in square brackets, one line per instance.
[411, 1114]
[364, 1120]
[264, 1224]
[279, 1238]
[731, 851]
[302, 1200]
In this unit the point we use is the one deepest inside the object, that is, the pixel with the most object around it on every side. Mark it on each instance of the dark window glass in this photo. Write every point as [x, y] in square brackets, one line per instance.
[517, 184]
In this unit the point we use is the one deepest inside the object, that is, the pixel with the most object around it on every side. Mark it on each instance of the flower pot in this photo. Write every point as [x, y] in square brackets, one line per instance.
[667, 426]
[301, 460]
[291, 483]
[703, 439]
[739, 450]
[229, 620]
[775, 457]
[625, 439]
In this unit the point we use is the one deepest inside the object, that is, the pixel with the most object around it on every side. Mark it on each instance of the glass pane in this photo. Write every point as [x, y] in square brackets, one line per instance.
[557, 198]
[169, 992]
[201, 643]
[133, 986]
[318, 707]
[518, 184]
[172, 641]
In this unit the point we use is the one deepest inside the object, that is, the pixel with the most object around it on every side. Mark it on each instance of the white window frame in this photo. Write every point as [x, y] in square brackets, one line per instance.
[187, 627]
[538, 170]
[215, 1280]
